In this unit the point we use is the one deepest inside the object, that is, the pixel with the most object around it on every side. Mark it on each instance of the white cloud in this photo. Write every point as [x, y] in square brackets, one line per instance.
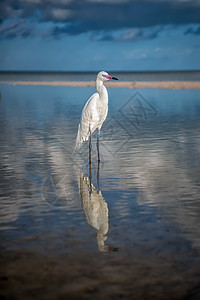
[135, 54]
[109, 1]
[61, 14]
[129, 34]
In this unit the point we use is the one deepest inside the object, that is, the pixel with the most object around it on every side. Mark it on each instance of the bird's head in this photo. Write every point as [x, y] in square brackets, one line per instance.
[104, 76]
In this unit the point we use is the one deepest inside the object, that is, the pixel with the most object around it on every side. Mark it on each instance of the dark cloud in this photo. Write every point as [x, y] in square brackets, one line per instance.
[195, 31]
[130, 34]
[72, 17]
[16, 28]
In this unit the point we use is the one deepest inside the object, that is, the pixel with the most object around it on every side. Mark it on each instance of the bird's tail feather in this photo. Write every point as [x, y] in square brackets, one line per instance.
[78, 140]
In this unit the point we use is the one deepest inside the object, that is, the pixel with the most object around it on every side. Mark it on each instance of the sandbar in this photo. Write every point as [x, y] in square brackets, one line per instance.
[175, 85]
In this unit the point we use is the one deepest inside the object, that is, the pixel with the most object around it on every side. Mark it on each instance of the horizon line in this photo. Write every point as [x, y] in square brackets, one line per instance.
[96, 71]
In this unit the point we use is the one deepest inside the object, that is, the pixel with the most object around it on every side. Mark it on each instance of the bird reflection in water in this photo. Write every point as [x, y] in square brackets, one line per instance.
[95, 209]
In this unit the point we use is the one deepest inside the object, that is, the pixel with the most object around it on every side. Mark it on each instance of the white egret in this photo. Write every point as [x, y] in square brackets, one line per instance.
[94, 113]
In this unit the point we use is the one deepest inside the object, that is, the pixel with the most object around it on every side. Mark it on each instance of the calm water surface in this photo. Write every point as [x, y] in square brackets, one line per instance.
[88, 76]
[129, 228]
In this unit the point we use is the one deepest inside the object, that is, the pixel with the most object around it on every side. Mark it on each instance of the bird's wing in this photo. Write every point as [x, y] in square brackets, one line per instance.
[88, 118]
[89, 112]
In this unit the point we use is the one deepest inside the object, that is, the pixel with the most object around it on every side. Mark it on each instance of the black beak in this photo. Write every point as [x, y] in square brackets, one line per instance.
[114, 78]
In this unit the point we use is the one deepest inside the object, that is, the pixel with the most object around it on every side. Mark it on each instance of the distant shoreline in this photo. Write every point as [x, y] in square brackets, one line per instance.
[175, 85]
[94, 72]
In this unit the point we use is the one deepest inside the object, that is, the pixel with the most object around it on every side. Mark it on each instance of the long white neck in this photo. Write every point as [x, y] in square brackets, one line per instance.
[101, 89]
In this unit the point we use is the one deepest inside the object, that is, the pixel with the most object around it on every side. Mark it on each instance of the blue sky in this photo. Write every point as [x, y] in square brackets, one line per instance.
[74, 35]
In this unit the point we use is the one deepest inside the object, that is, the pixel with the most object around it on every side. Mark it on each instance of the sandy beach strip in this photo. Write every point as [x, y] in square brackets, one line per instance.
[175, 85]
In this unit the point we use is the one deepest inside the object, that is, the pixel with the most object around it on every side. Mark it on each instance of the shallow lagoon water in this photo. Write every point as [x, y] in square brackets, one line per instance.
[132, 232]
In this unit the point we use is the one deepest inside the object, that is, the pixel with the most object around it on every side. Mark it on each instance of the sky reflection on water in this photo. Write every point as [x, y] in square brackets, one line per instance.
[153, 156]
[149, 173]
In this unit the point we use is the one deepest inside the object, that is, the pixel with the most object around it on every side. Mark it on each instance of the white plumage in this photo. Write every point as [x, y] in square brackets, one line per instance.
[95, 111]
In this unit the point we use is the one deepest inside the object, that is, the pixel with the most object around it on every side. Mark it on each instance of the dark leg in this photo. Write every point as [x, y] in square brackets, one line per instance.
[98, 182]
[98, 134]
[90, 147]
[90, 176]
[90, 161]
